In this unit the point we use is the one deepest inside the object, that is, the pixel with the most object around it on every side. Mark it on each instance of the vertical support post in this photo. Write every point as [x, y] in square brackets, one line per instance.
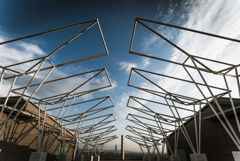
[64, 141]
[196, 132]
[86, 141]
[163, 147]
[200, 117]
[122, 148]
[141, 150]
[61, 152]
[44, 117]
[38, 146]
[101, 149]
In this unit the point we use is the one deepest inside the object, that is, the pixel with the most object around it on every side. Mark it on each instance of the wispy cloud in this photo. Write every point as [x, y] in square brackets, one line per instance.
[18, 52]
[145, 62]
[114, 85]
[22, 51]
[210, 16]
[127, 66]
[121, 105]
[207, 16]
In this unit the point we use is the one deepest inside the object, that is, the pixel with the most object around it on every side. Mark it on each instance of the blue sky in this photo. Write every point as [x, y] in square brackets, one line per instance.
[21, 18]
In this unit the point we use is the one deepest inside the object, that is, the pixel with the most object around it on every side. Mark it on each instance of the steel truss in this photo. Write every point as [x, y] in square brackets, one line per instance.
[62, 121]
[70, 119]
[199, 67]
[174, 120]
[148, 134]
[97, 134]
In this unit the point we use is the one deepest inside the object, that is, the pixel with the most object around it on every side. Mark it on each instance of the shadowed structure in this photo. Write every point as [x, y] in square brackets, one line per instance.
[21, 138]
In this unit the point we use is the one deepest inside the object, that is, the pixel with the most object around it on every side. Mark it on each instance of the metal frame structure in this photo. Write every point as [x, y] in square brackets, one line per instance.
[198, 65]
[39, 65]
[146, 138]
[175, 119]
[148, 133]
[61, 120]
[74, 119]
[96, 134]
[77, 118]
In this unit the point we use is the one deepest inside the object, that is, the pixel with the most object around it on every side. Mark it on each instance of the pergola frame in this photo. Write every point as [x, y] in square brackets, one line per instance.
[200, 67]
[100, 138]
[146, 137]
[149, 130]
[162, 118]
[73, 119]
[138, 141]
[64, 98]
[39, 65]
[78, 119]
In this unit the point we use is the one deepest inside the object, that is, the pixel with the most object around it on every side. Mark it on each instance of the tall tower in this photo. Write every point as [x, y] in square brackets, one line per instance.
[115, 148]
[122, 148]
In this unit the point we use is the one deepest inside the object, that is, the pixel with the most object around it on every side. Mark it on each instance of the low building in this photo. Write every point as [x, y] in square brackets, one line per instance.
[21, 138]
[215, 142]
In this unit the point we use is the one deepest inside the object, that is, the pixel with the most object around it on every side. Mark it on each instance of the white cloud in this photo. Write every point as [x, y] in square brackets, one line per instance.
[213, 17]
[127, 65]
[210, 16]
[220, 18]
[114, 85]
[19, 52]
[22, 51]
[145, 62]
[31, 48]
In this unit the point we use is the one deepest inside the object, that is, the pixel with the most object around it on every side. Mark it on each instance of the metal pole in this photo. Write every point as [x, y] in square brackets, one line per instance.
[141, 150]
[64, 139]
[51, 133]
[195, 123]
[175, 144]
[6, 100]
[144, 140]
[86, 142]
[200, 118]
[38, 150]
[163, 133]
[214, 111]
[76, 132]
[9, 115]
[184, 131]
[45, 112]
[219, 107]
[95, 144]
[232, 104]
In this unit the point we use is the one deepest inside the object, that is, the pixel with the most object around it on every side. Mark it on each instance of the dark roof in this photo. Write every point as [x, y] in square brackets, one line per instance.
[221, 100]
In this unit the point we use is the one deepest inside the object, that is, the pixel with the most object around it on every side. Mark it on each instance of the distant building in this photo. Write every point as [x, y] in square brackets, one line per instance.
[115, 148]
